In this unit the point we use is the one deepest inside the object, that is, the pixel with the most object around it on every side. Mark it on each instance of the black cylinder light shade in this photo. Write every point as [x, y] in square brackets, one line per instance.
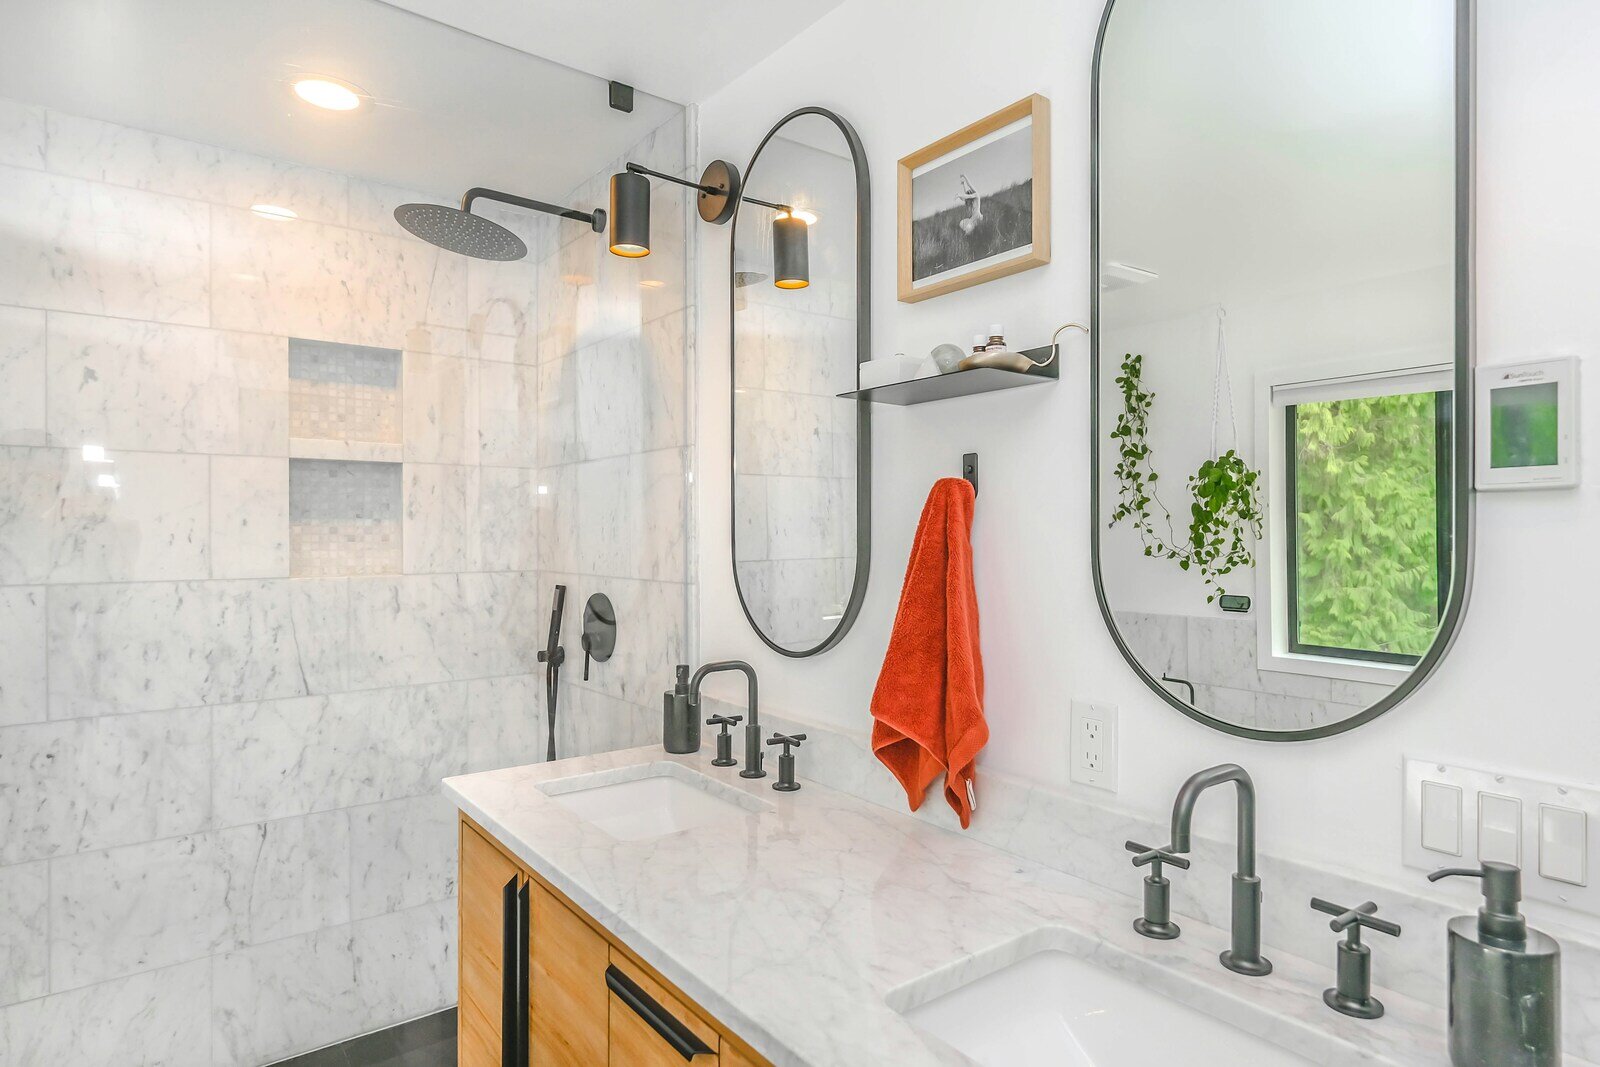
[791, 258]
[630, 215]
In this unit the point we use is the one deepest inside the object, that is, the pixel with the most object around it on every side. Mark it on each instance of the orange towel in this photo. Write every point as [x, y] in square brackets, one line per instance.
[928, 707]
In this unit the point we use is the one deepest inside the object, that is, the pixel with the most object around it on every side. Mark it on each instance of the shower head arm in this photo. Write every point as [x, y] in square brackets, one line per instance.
[596, 218]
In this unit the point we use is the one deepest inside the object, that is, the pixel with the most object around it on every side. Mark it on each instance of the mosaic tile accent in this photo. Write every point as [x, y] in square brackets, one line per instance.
[342, 392]
[344, 518]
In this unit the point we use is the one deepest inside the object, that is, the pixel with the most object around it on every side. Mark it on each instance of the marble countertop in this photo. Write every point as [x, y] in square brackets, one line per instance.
[804, 927]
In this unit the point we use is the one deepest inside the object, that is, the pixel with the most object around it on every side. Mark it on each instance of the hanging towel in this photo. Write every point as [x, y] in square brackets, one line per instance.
[928, 707]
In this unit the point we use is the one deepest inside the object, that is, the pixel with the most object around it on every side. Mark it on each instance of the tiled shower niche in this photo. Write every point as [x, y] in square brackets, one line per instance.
[344, 515]
[343, 392]
[344, 518]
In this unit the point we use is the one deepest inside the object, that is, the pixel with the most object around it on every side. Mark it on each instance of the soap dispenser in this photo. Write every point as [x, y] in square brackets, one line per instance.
[680, 724]
[1505, 979]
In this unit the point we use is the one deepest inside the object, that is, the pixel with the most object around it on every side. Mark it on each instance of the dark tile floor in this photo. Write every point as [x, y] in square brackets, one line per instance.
[426, 1042]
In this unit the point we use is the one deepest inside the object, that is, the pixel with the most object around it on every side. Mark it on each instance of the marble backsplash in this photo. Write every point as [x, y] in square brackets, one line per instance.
[1084, 838]
[221, 837]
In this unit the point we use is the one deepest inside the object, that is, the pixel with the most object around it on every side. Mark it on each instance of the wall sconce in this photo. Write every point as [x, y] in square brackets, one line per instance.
[719, 191]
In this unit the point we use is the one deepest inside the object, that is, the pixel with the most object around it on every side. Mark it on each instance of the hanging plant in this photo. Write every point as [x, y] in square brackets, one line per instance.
[1225, 511]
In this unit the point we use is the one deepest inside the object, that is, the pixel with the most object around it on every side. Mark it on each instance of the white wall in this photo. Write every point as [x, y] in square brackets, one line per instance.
[1517, 691]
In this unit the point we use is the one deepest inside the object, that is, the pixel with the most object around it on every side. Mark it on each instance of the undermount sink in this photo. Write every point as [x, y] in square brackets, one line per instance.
[639, 803]
[1056, 1008]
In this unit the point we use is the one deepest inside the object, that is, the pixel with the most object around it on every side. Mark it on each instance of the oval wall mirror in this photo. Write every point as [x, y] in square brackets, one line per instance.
[1282, 352]
[801, 455]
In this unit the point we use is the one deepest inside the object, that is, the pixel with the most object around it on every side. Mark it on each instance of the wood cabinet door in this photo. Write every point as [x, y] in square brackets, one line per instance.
[567, 972]
[652, 1028]
[484, 874]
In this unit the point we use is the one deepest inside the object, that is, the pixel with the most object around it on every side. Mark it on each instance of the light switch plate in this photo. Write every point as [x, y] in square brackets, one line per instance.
[1094, 744]
[1550, 830]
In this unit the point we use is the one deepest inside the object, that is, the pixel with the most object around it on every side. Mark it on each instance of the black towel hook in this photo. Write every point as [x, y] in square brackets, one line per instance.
[969, 470]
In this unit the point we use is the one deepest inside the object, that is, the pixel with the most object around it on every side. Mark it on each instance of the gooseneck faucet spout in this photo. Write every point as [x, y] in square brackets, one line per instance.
[752, 728]
[1245, 955]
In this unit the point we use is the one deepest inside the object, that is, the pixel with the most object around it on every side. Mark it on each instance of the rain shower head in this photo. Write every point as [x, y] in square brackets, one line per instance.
[459, 230]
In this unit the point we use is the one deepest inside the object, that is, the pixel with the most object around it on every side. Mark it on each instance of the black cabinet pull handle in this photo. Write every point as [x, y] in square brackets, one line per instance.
[524, 906]
[683, 1040]
[510, 919]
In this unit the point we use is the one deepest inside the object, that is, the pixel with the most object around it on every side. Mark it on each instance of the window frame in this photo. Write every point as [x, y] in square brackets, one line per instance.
[1378, 375]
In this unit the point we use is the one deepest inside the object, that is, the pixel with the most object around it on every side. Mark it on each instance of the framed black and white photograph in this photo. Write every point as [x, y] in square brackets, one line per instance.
[975, 206]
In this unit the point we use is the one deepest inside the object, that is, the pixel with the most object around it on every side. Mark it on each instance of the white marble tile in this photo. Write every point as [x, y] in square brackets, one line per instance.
[594, 722]
[403, 854]
[120, 155]
[295, 757]
[22, 376]
[783, 433]
[508, 414]
[556, 494]
[425, 628]
[132, 909]
[155, 645]
[639, 669]
[24, 932]
[292, 995]
[1361, 694]
[405, 963]
[249, 517]
[750, 517]
[299, 993]
[440, 524]
[81, 246]
[808, 353]
[506, 721]
[305, 279]
[141, 385]
[508, 519]
[1159, 641]
[23, 135]
[629, 397]
[286, 877]
[22, 655]
[68, 787]
[62, 521]
[802, 518]
[631, 518]
[161, 1017]
[372, 206]
[501, 295]
[557, 422]
[569, 297]
[440, 409]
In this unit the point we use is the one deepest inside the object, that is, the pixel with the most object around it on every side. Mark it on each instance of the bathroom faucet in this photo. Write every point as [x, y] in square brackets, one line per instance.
[1245, 955]
[752, 729]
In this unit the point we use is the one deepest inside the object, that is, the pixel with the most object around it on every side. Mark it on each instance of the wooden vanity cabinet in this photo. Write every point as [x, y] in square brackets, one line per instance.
[544, 985]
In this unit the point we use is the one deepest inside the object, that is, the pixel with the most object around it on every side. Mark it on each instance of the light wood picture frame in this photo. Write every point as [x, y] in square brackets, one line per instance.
[975, 206]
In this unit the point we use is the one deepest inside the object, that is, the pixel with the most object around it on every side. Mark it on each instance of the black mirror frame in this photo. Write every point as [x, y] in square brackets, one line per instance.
[858, 589]
[1462, 548]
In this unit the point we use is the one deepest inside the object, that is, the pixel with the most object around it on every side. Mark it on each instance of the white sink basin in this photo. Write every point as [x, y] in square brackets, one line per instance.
[639, 803]
[1054, 1008]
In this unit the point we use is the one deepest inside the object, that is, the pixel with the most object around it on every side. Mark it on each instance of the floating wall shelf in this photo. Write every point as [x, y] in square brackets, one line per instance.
[960, 383]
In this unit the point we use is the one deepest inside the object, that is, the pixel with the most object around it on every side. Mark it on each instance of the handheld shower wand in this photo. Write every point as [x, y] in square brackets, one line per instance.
[552, 657]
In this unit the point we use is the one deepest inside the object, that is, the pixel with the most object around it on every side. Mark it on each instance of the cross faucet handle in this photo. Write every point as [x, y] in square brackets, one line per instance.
[1144, 854]
[724, 720]
[1351, 920]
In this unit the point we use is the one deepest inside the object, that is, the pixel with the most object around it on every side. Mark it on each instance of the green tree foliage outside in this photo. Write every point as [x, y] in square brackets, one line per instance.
[1366, 514]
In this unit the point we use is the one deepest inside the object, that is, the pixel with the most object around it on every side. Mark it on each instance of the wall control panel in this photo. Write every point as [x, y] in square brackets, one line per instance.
[1460, 816]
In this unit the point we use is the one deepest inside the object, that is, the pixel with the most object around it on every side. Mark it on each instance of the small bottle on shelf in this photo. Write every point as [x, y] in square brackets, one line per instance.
[980, 343]
[997, 339]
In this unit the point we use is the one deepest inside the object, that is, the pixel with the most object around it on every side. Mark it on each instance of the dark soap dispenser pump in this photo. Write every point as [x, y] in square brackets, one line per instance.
[1505, 979]
[680, 722]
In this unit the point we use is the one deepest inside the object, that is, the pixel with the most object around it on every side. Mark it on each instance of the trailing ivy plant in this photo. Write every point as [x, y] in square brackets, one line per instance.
[1225, 510]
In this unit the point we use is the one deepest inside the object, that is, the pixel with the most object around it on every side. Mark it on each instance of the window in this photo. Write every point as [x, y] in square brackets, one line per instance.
[1367, 524]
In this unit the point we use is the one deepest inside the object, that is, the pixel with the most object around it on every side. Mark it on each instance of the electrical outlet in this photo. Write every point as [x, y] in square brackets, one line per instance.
[1094, 744]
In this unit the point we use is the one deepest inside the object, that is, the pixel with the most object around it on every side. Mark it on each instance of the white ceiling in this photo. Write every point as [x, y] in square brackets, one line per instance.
[682, 50]
[449, 110]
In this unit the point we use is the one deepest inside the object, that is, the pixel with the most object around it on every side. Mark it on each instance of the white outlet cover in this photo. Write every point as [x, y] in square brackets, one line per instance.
[1532, 795]
[1090, 717]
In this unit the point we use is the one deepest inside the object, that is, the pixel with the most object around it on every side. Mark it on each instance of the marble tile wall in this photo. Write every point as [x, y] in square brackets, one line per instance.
[1219, 656]
[221, 837]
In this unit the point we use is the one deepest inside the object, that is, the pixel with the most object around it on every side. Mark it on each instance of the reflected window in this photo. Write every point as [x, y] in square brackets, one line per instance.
[1367, 485]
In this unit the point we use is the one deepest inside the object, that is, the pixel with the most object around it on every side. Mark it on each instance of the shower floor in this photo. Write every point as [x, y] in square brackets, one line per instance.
[426, 1042]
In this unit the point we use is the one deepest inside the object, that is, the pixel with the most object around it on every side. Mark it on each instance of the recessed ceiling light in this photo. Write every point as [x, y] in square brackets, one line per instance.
[274, 212]
[651, 283]
[327, 93]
